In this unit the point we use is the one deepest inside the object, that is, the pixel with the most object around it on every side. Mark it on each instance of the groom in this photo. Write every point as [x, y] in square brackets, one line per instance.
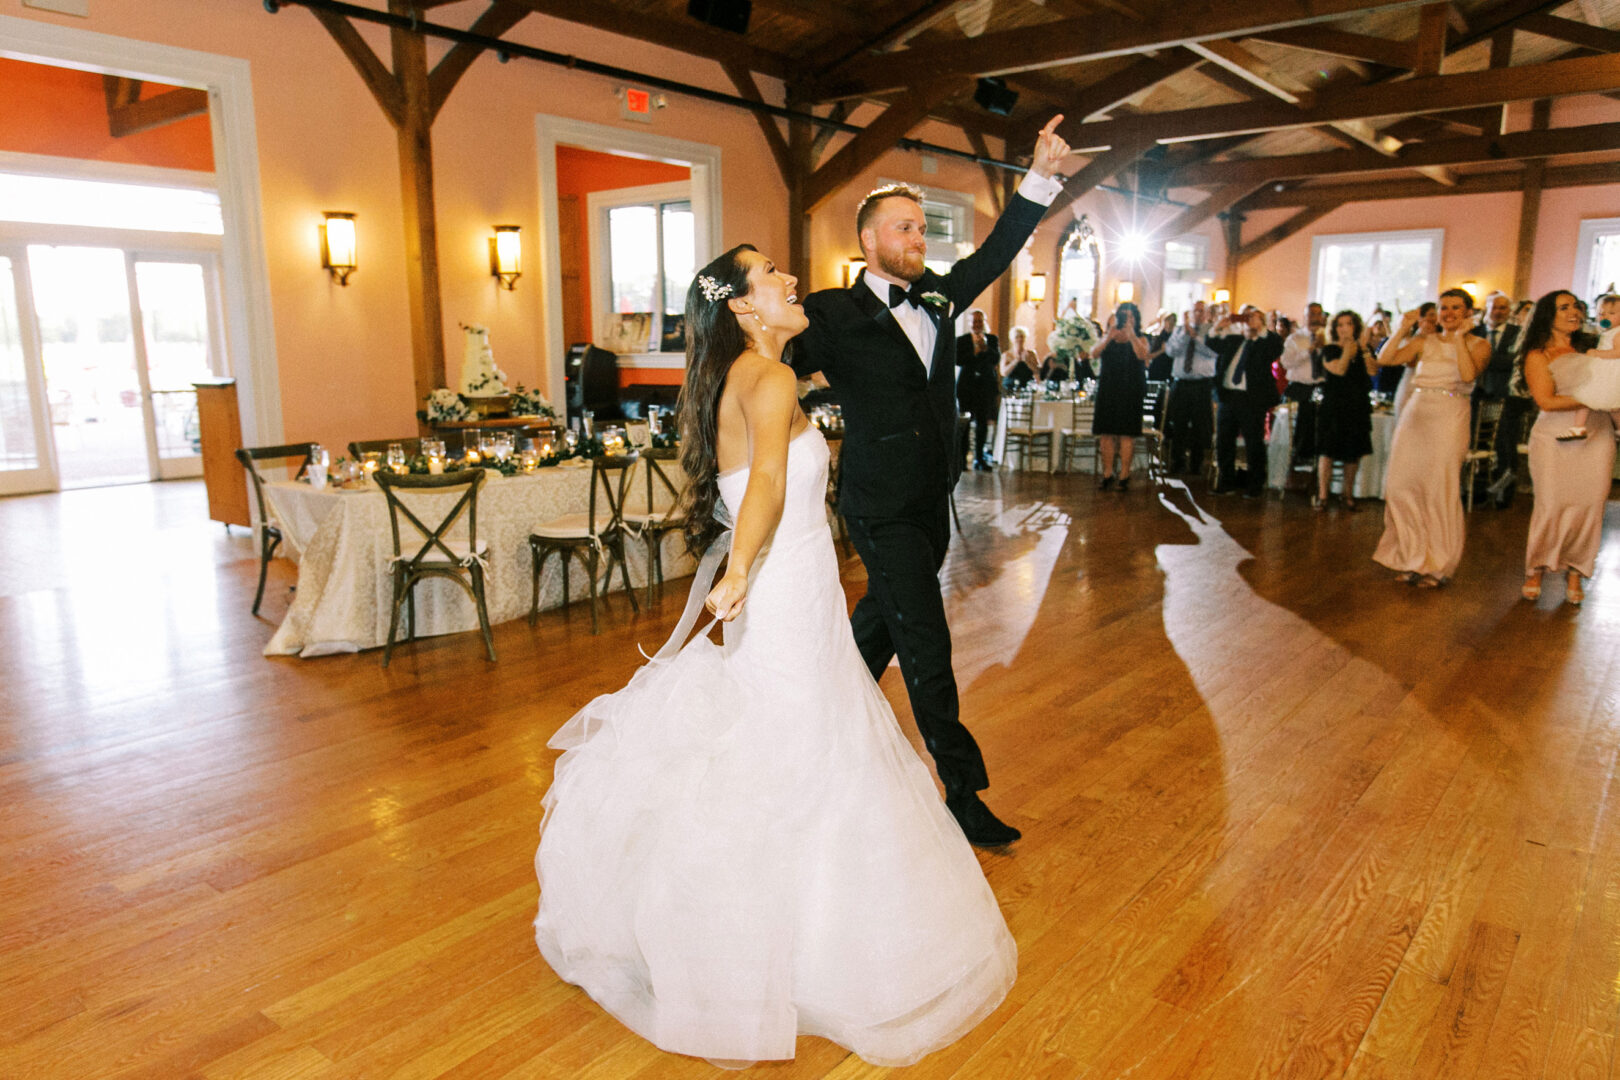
[886, 348]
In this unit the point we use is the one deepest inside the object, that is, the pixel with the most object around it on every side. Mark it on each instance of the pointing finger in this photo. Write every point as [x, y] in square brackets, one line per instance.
[1051, 126]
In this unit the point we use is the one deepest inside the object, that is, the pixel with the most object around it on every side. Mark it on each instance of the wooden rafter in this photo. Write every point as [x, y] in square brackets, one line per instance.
[875, 140]
[1275, 235]
[1535, 176]
[1071, 41]
[1108, 163]
[823, 135]
[1598, 38]
[496, 20]
[1591, 74]
[743, 80]
[1478, 184]
[891, 36]
[1220, 200]
[153, 112]
[684, 35]
[1519, 145]
[373, 72]
[1112, 90]
[992, 175]
[1344, 44]
[1429, 46]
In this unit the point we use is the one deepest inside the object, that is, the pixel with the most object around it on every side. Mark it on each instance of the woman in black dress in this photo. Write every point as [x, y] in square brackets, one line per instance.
[1344, 417]
[1121, 385]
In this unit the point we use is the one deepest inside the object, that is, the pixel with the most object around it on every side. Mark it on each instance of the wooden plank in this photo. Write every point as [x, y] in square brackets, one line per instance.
[1519, 145]
[1429, 46]
[875, 140]
[1332, 41]
[1071, 41]
[496, 20]
[743, 80]
[1479, 184]
[1112, 90]
[1278, 233]
[1591, 74]
[1535, 178]
[1585, 35]
[682, 35]
[153, 112]
[414, 136]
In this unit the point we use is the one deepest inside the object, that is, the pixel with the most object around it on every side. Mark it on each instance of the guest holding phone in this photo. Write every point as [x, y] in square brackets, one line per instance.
[1121, 385]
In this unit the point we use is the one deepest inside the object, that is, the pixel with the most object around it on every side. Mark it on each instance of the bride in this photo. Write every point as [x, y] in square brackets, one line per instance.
[740, 847]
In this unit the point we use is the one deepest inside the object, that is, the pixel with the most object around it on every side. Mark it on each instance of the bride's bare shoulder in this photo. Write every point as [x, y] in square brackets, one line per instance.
[752, 373]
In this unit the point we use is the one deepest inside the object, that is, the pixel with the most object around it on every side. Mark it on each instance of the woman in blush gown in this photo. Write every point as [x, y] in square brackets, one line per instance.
[1423, 514]
[740, 847]
[1571, 477]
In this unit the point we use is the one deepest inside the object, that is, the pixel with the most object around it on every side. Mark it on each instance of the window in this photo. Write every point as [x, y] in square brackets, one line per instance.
[1186, 273]
[1597, 258]
[51, 200]
[644, 254]
[1362, 270]
[1077, 269]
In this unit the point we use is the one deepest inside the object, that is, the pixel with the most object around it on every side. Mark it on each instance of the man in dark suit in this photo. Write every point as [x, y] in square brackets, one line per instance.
[885, 348]
[1503, 335]
[978, 381]
[1246, 392]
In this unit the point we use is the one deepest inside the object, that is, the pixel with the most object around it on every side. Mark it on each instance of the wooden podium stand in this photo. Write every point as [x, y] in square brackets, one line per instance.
[221, 434]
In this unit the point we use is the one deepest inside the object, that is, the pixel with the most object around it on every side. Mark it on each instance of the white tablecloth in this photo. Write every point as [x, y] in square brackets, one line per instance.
[343, 544]
[1370, 477]
[1051, 416]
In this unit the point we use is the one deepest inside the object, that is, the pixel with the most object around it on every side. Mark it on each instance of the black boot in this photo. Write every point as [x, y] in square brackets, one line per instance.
[979, 825]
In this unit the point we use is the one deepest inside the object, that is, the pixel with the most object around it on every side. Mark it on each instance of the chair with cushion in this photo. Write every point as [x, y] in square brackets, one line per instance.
[644, 519]
[439, 553]
[1022, 437]
[269, 532]
[592, 536]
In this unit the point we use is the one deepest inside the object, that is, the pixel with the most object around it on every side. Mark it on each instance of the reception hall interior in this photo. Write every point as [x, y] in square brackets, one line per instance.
[287, 287]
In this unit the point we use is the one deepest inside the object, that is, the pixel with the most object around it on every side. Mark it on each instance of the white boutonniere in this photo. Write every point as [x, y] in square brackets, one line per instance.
[935, 300]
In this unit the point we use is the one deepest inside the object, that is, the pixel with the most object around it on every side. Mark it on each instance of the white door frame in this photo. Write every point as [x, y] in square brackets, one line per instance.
[249, 325]
[43, 477]
[552, 131]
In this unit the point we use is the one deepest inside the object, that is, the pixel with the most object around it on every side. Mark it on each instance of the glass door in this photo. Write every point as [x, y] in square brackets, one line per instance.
[180, 342]
[25, 446]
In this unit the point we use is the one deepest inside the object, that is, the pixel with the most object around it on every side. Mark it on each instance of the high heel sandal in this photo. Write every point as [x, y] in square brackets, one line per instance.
[1318, 503]
[1531, 589]
[1574, 593]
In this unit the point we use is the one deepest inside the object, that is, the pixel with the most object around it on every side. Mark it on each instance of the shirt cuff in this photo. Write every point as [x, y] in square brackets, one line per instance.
[1040, 189]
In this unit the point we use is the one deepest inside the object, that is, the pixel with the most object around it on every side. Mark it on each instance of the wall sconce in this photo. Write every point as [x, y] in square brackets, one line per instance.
[852, 270]
[1223, 296]
[1124, 292]
[506, 255]
[1035, 289]
[1472, 289]
[338, 245]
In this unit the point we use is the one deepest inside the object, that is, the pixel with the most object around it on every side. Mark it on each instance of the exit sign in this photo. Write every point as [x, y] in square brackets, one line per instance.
[635, 104]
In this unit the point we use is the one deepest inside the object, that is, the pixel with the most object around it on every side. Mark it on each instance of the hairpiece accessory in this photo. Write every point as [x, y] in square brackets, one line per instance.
[712, 289]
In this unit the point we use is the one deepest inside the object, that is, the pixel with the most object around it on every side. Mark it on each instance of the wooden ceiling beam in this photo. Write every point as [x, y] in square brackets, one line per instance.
[1071, 41]
[153, 112]
[1598, 38]
[1111, 91]
[1096, 171]
[1429, 46]
[376, 76]
[876, 139]
[1275, 235]
[496, 20]
[892, 36]
[1220, 200]
[1465, 90]
[1343, 44]
[682, 35]
[1515, 146]
[743, 80]
[1482, 183]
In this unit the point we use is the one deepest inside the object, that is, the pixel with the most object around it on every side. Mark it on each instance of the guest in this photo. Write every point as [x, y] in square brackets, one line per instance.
[1423, 514]
[1160, 362]
[978, 359]
[1122, 359]
[1054, 369]
[1247, 394]
[1571, 479]
[1344, 417]
[1502, 335]
[1019, 364]
[1302, 371]
[1189, 425]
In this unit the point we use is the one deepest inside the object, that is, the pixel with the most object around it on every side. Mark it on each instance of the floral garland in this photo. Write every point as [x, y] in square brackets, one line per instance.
[525, 402]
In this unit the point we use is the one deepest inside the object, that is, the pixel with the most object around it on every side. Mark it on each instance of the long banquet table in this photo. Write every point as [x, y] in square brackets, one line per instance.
[343, 544]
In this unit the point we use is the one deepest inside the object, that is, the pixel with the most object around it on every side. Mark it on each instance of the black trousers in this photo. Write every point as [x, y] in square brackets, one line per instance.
[1304, 448]
[903, 615]
[1241, 414]
[1509, 433]
[982, 415]
[1188, 423]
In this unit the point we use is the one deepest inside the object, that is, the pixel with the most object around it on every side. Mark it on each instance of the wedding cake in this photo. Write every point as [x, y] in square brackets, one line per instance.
[479, 375]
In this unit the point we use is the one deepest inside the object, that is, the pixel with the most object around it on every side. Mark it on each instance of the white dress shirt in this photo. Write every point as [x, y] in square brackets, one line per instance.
[1234, 373]
[1296, 357]
[1203, 363]
[921, 330]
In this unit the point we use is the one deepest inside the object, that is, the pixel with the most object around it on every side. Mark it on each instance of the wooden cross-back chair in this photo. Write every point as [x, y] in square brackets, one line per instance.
[269, 532]
[439, 555]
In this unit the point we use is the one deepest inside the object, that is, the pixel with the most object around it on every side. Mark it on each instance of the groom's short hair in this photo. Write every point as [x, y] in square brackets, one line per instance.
[868, 206]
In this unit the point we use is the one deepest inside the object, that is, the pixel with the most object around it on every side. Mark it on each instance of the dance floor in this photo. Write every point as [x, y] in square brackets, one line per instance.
[1282, 816]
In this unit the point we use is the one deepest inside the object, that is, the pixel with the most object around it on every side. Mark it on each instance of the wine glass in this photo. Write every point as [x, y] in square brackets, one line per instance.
[396, 458]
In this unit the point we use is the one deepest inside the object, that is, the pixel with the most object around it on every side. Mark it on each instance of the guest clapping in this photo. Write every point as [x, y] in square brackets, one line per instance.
[1571, 478]
[1122, 357]
[1423, 514]
[978, 358]
[1344, 416]
[1247, 393]
[1019, 364]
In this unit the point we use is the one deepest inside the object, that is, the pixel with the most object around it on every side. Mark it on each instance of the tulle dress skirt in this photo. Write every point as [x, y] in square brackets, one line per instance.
[740, 846]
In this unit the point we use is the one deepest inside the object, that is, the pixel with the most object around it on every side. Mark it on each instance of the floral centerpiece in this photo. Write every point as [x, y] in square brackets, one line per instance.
[524, 402]
[1072, 340]
[446, 407]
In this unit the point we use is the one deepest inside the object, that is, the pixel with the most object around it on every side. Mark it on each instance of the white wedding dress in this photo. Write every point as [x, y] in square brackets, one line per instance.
[740, 847]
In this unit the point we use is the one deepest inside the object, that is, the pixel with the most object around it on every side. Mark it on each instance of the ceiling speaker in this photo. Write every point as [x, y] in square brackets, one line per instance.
[726, 14]
[993, 96]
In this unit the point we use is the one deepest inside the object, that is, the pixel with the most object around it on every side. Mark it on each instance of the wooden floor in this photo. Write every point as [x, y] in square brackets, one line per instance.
[1283, 817]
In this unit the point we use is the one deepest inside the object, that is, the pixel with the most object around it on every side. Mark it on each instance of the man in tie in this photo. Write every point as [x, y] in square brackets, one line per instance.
[1189, 418]
[885, 348]
[1247, 392]
[978, 381]
[1493, 385]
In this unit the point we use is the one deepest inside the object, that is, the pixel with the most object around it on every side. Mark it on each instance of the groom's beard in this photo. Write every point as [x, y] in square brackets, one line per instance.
[905, 266]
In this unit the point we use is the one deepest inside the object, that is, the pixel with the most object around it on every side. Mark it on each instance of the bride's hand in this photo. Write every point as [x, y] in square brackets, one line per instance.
[725, 600]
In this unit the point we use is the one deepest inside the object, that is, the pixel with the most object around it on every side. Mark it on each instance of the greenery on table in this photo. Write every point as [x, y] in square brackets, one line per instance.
[525, 402]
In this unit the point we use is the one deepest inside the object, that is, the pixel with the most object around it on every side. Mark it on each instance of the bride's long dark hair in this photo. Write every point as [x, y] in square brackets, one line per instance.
[714, 340]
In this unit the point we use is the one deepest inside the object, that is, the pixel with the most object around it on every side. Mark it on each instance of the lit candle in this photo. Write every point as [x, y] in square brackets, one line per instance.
[435, 464]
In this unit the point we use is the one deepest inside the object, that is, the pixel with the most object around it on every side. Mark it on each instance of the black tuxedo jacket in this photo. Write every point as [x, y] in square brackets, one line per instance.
[1260, 386]
[900, 455]
[978, 380]
[1493, 381]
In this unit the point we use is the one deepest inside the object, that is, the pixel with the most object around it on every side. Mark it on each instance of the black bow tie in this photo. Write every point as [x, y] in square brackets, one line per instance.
[899, 294]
